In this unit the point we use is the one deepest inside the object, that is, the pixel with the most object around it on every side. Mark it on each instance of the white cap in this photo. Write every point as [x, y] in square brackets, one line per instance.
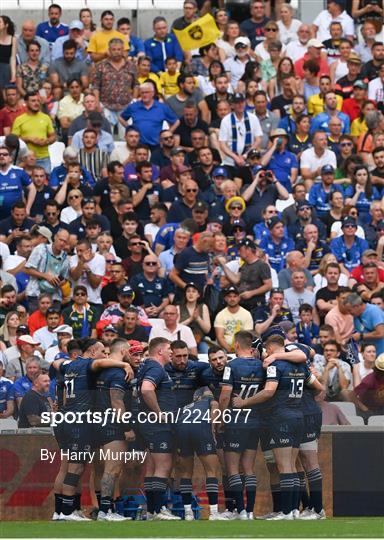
[315, 43]
[76, 25]
[28, 339]
[243, 40]
[64, 329]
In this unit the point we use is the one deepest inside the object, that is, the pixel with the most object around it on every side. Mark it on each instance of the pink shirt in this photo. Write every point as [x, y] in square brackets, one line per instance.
[342, 323]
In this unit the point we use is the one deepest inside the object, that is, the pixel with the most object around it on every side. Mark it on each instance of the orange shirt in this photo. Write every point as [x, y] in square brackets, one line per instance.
[299, 72]
[37, 320]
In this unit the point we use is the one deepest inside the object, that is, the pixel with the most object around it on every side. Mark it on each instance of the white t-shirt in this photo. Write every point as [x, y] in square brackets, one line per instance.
[295, 50]
[97, 267]
[324, 19]
[341, 69]
[51, 353]
[4, 252]
[182, 332]
[45, 337]
[288, 35]
[376, 89]
[152, 230]
[321, 282]
[310, 160]
[262, 52]
[68, 214]
[294, 300]
[12, 261]
[236, 68]
[225, 134]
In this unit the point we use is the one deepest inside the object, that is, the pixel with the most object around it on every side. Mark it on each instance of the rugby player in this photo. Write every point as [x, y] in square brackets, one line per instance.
[282, 395]
[155, 396]
[244, 377]
[77, 438]
[195, 436]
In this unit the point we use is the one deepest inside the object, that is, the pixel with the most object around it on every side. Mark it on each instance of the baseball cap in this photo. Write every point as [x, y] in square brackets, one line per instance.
[22, 329]
[253, 154]
[216, 219]
[177, 150]
[315, 43]
[242, 40]
[302, 203]
[231, 289]
[360, 84]
[348, 220]
[76, 25]
[183, 169]
[64, 329]
[28, 340]
[125, 290]
[327, 169]
[135, 346]
[200, 206]
[247, 242]
[238, 97]
[52, 309]
[369, 253]
[238, 223]
[220, 171]
[44, 231]
[273, 221]
[379, 362]
[191, 284]
[110, 328]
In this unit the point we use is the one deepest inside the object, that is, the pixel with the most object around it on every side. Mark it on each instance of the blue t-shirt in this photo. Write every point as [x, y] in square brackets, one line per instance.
[155, 50]
[192, 266]
[153, 291]
[22, 386]
[319, 198]
[51, 33]
[6, 393]
[349, 257]
[149, 121]
[12, 185]
[281, 164]
[320, 122]
[277, 252]
[371, 317]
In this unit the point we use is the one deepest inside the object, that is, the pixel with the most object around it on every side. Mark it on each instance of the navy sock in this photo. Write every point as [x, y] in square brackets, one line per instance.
[98, 497]
[303, 491]
[250, 489]
[58, 503]
[186, 490]
[276, 497]
[212, 489]
[77, 501]
[148, 490]
[236, 486]
[296, 492]
[159, 486]
[287, 486]
[229, 503]
[105, 504]
[315, 481]
[67, 504]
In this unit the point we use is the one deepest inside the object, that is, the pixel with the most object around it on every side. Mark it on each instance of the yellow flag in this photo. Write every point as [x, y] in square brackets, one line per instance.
[201, 32]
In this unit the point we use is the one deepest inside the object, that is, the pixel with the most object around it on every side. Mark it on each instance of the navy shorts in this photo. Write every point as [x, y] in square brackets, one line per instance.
[159, 439]
[59, 436]
[77, 437]
[241, 439]
[219, 440]
[109, 433]
[195, 440]
[312, 427]
[283, 431]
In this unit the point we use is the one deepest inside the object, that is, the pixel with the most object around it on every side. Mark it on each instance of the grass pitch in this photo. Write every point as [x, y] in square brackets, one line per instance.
[332, 528]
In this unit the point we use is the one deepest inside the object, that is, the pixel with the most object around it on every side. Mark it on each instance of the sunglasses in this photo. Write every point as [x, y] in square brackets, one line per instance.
[349, 226]
[87, 200]
[4, 154]
[80, 294]
[236, 207]
[110, 261]
[238, 229]
[346, 144]
[151, 263]
[51, 213]
[134, 244]
[74, 197]
[271, 29]
[191, 190]
[167, 138]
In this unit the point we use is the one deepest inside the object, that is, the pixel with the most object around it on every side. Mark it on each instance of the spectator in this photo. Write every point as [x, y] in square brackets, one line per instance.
[169, 328]
[254, 26]
[30, 74]
[47, 335]
[187, 96]
[35, 402]
[7, 405]
[312, 248]
[18, 358]
[370, 391]
[340, 319]
[180, 242]
[335, 374]
[130, 328]
[348, 248]
[277, 245]
[162, 45]
[314, 159]
[367, 359]
[154, 289]
[298, 294]
[294, 260]
[28, 34]
[275, 313]
[53, 28]
[80, 316]
[368, 321]
[335, 12]
[194, 313]
[68, 67]
[76, 34]
[98, 44]
[231, 319]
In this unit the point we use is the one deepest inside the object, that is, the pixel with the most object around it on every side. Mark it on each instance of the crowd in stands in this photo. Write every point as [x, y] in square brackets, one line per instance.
[232, 187]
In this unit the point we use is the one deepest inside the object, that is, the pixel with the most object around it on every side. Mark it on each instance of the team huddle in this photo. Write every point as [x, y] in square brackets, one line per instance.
[180, 408]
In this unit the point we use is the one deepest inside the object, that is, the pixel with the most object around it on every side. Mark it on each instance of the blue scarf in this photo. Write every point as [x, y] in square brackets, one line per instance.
[248, 133]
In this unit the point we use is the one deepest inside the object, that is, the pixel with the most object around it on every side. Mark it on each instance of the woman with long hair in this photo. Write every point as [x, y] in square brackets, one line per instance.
[222, 19]
[8, 46]
[251, 88]
[252, 72]
[8, 335]
[361, 193]
[226, 44]
[284, 67]
[339, 68]
[359, 125]
[345, 170]
[194, 313]
[85, 16]
[205, 83]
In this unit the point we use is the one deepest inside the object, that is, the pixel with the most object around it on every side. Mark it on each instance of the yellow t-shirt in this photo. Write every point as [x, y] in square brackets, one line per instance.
[169, 83]
[34, 125]
[316, 104]
[358, 127]
[153, 77]
[99, 41]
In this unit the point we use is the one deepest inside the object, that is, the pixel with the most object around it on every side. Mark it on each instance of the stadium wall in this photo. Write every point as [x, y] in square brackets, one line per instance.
[350, 458]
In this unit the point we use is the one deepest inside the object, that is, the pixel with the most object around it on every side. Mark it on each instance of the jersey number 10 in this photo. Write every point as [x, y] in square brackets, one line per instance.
[248, 391]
